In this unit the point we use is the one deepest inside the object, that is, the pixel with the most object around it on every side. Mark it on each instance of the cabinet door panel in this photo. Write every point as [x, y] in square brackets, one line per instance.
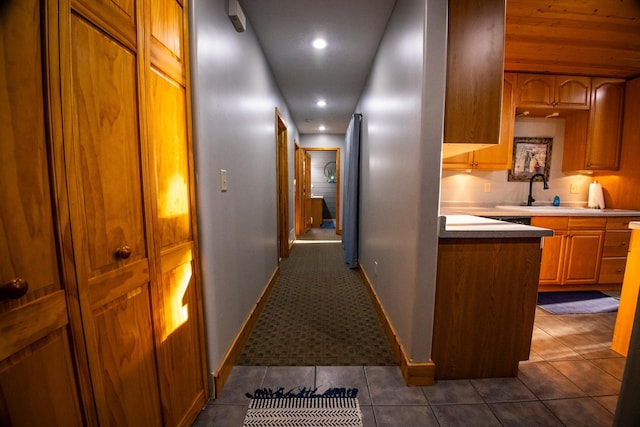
[616, 243]
[167, 41]
[605, 125]
[108, 225]
[499, 157]
[171, 161]
[584, 249]
[573, 92]
[178, 317]
[552, 256]
[37, 379]
[612, 270]
[461, 161]
[535, 90]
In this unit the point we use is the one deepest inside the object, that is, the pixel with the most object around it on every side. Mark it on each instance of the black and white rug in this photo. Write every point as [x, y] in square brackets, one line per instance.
[303, 407]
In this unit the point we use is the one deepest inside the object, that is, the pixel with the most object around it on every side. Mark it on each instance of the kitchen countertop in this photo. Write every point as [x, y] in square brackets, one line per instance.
[541, 210]
[634, 225]
[469, 226]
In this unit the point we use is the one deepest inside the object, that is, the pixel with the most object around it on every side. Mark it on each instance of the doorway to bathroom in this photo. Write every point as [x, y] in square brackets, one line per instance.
[317, 172]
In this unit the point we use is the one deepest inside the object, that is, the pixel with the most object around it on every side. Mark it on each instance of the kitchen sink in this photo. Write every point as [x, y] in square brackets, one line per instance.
[561, 210]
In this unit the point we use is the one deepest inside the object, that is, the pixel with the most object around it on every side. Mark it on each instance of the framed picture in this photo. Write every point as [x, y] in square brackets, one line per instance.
[530, 156]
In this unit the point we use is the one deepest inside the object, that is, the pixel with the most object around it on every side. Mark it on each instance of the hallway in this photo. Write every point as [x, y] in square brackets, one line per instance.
[572, 378]
[318, 313]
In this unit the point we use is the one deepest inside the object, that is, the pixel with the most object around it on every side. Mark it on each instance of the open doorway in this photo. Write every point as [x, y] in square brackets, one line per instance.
[317, 172]
[282, 186]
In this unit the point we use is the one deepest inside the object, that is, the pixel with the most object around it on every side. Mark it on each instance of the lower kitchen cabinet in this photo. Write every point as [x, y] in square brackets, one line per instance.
[616, 247]
[483, 323]
[584, 250]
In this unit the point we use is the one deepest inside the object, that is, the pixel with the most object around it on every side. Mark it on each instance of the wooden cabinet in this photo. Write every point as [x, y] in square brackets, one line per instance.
[552, 262]
[593, 138]
[553, 91]
[616, 247]
[482, 322]
[99, 207]
[474, 74]
[572, 256]
[497, 157]
[316, 211]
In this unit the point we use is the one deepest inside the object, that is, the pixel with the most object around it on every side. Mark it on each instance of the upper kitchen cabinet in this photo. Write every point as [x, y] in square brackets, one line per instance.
[496, 157]
[475, 65]
[593, 138]
[553, 91]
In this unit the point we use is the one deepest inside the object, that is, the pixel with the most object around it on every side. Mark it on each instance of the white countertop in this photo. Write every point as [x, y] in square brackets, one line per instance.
[544, 210]
[634, 225]
[469, 226]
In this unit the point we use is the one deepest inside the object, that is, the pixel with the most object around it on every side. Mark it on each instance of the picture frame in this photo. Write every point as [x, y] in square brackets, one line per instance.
[531, 155]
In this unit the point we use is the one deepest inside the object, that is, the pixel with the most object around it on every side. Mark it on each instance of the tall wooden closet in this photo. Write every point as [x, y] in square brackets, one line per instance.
[100, 302]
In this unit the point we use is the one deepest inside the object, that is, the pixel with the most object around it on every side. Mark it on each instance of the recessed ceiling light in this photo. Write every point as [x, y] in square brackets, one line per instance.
[321, 103]
[321, 128]
[319, 43]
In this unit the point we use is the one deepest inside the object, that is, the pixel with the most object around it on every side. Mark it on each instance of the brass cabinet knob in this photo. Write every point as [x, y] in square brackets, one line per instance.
[123, 252]
[14, 289]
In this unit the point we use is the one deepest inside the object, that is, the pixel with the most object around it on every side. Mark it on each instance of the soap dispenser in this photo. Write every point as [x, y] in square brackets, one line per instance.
[556, 201]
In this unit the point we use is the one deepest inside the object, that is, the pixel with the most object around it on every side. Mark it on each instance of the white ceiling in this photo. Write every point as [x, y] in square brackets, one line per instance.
[353, 30]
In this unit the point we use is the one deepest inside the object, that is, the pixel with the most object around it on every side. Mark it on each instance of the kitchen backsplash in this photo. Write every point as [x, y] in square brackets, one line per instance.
[460, 187]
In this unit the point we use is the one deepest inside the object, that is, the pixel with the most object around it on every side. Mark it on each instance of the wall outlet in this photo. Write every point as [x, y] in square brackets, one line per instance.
[487, 187]
[574, 189]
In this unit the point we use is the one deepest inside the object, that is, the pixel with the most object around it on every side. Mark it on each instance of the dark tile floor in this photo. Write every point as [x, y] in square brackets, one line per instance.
[571, 379]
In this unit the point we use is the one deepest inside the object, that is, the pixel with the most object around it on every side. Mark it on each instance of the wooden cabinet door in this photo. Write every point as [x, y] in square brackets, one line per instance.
[552, 262]
[105, 172]
[177, 316]
[500, 156]
[474, 76]
[458, 162]
[583, 254]
[605, 124]
[572, 92]
[535, 90]
[38, 385]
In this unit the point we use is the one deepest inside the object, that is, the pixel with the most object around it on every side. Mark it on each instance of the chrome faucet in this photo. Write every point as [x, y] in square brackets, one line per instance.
[530, 200]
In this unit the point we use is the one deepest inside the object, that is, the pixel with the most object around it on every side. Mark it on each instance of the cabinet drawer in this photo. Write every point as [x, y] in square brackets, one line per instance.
[620, 222]
[553, 222]
[612, 270]
[587, 223]
[616, 243]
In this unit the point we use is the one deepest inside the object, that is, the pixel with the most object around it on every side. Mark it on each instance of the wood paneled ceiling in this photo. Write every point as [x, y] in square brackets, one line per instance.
[577, 37]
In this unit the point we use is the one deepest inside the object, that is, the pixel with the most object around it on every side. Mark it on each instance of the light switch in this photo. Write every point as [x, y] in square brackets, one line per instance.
[574, 189]
[223, 180]
[487, 187]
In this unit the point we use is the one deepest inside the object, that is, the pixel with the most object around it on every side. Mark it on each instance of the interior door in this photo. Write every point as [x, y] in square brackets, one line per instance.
[38, 385]
[282, 186]
[100, 68]
[307, 191]
[177, 314]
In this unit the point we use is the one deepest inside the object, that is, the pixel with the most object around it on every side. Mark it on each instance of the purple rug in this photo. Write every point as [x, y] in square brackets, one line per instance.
[577, 302]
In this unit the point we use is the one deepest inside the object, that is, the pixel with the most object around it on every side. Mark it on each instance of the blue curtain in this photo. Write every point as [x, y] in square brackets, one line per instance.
[350, 214]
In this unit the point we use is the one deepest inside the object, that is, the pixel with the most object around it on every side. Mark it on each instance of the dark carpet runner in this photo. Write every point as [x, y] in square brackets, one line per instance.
[318, 314]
